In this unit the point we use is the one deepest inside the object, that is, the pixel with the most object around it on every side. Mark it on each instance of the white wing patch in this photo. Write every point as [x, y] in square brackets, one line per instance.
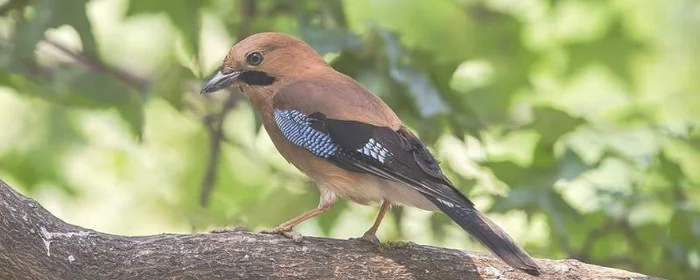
[374, 150]
[446, 203]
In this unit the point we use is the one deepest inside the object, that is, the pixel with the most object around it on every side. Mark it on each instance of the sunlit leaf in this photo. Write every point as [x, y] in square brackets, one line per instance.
[66, 85]
[670, 170]
[418, 83]
[685, 226]
[571, 165]
[171, 85]
[508, 172]
[560, 214]
[501, 49]
[518, 199]
[50, 14]
[552, 123]
[615, 50]
[41, 161]
[439, 27]
[183, 14]
[83, 88]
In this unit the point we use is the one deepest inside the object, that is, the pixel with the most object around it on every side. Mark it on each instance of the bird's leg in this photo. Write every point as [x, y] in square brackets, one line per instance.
[326, 201]
[371, 234]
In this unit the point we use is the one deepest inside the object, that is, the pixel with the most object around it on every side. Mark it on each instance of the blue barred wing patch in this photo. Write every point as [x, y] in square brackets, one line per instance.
[296, 127]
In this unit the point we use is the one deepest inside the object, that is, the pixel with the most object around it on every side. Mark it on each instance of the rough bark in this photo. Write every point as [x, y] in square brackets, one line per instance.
[36, 245]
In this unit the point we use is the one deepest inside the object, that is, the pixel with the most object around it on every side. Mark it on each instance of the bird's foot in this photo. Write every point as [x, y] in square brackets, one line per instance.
[286, 232]
[368, 237]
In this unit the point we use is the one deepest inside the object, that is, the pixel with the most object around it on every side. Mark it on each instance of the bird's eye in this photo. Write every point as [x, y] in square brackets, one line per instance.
[254, 58]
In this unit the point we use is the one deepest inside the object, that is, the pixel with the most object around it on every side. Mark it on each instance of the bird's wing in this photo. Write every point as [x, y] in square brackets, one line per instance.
[352, 128]
[335, 127]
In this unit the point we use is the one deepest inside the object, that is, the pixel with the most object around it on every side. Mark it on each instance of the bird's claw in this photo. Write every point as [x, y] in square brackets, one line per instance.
[286, 232]
[368, 237]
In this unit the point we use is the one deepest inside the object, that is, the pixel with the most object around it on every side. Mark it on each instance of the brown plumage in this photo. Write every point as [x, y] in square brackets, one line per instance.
[347, 139]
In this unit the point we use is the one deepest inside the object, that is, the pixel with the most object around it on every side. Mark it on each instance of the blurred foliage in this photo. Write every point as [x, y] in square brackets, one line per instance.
[574, 123]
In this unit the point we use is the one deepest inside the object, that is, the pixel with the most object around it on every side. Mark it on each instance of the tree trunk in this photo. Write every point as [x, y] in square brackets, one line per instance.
[34, 244]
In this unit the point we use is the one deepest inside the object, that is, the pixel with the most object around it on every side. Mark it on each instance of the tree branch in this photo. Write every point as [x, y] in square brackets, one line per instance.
[215, 126]
[36, 245]
[95, 64]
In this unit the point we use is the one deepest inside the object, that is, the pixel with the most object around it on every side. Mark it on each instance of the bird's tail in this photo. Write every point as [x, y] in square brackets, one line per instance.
[489, 234]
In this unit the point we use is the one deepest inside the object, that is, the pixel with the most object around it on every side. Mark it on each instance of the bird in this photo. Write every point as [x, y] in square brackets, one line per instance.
[347, 140]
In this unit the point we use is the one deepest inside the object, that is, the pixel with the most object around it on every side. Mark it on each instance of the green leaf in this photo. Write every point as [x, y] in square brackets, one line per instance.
[518, 199]
[509, 172]
[570, 165]
[81, 87]
[439, 27]
[543, 155]
[171, 84]
[419, 85]
[69, 86]
[552, 123]
[614, 244]
[330, 217]
[23, 85]
[670, 170]
[438, 224]
[398, 214]
[40, 160]
[560, 214]
[325, 40]
[553, 3]
[695, 138]
[685, 226]
[322, 25]
[615, 50]
[50, 14]
[78, 87]
[183, 14]
[87, 88]
[72, 12]
[565, 166]
[133, 113]
[531, 186]
[501, 50]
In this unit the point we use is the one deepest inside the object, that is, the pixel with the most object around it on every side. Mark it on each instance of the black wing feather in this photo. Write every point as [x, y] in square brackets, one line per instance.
[409, 161]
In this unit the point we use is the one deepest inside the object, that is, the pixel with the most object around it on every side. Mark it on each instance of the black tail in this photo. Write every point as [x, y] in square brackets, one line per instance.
[488, 234]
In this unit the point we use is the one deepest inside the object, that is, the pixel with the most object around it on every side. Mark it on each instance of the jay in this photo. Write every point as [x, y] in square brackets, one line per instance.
[347, 140]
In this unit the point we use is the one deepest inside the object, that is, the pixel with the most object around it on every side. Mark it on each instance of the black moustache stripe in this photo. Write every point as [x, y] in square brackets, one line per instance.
[257, 78]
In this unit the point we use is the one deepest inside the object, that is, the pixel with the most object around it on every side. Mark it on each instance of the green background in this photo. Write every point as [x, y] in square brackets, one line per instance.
[574, 124]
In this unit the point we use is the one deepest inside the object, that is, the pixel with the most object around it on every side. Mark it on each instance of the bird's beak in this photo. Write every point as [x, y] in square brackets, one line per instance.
[219, 81]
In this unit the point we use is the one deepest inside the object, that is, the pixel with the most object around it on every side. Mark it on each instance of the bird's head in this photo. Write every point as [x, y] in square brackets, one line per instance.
[264, 60]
